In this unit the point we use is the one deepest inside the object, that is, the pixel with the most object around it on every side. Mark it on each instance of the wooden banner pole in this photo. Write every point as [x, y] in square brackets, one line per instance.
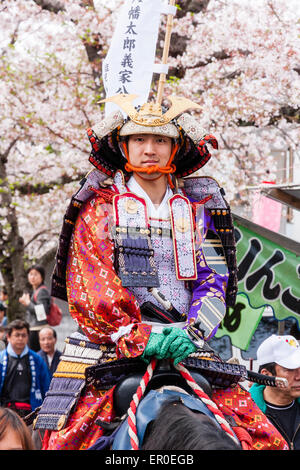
[162, 77]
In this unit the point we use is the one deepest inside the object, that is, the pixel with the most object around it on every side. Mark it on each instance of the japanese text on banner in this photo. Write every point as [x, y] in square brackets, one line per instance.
[128, 66]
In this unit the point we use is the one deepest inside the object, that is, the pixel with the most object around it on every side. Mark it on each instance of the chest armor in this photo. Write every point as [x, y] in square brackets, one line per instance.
[151, 252]
[160, 241]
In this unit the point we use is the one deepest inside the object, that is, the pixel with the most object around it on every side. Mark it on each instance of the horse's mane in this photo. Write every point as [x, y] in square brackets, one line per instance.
[179, 428]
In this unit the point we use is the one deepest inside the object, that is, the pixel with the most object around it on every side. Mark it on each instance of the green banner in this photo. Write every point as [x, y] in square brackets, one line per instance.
[268, 275]
[240, 322]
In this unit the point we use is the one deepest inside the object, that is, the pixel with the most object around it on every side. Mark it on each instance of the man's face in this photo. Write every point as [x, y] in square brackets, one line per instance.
[147, 150]
[18, 340]
[47, 341]
[293, 378]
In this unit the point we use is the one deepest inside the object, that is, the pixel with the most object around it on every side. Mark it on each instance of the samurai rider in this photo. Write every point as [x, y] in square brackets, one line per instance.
[146, 259]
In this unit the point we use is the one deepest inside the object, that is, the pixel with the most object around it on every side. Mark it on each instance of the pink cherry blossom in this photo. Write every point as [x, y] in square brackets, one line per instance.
[241, 63]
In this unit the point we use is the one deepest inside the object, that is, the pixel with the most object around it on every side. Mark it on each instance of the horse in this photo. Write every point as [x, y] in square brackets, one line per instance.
[165, 410]
[177, 427]
[178, 407]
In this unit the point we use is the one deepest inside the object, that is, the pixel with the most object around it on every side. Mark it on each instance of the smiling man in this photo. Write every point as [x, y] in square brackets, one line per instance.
[280, 356]
[48, 351]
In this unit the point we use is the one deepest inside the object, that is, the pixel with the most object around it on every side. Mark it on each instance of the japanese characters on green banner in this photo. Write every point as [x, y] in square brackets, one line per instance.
[268, 274]
[240, 322]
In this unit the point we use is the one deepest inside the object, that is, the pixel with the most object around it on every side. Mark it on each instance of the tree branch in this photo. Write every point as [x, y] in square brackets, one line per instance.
[54, 6]
[43, 188]
[5, 154]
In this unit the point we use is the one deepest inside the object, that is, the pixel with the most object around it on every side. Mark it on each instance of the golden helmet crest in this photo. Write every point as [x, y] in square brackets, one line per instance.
[151, 114]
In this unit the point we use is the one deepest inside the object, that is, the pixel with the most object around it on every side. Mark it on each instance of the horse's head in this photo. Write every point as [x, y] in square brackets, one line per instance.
[171, 419]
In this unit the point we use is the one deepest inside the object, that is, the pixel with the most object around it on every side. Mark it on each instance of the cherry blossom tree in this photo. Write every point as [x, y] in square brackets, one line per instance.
[242, 65]
[49, 91]
[240, 62]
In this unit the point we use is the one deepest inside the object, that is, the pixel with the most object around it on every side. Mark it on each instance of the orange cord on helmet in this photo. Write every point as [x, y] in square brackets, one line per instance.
[165, 170]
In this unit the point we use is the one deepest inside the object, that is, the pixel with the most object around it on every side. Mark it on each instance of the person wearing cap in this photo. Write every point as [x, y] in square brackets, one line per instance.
[138, 234]
[280, 356]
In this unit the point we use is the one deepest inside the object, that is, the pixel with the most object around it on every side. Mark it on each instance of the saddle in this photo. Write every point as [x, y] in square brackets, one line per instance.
[209, 374]
[126, 376]
[166, 384]
[164, 375]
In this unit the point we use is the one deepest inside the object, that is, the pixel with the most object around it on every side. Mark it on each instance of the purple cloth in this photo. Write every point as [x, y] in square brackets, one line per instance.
[215, 286]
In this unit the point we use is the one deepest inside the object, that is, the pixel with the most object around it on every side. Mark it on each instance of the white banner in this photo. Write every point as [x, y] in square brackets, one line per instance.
[129, 64]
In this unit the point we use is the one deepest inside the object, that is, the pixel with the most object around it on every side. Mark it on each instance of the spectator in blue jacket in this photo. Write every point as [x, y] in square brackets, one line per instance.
[24, 376]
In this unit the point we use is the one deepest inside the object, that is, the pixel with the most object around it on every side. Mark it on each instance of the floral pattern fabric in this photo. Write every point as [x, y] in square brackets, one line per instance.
[81, 431]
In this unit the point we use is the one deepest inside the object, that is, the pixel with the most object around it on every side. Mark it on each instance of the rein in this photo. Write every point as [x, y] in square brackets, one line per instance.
[211, 405]
[134, 441]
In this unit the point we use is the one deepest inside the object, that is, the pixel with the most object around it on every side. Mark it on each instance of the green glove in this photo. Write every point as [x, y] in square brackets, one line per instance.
[153, 347]
[171, 343]
[178, 344]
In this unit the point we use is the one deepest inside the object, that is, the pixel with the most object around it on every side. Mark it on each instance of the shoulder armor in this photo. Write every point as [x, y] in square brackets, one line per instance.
[95, 179]
[199, 187]
[69, 379]
[93, 182]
